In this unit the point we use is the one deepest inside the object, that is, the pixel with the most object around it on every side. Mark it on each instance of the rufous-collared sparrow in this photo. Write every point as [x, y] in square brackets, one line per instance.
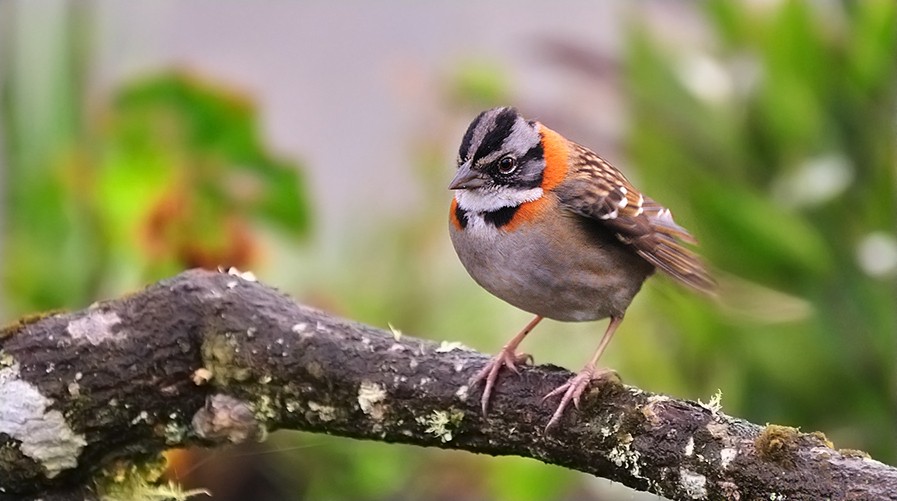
[552, 228]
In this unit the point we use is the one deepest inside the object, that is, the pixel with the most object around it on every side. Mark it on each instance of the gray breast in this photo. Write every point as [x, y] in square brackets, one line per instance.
[572, 271]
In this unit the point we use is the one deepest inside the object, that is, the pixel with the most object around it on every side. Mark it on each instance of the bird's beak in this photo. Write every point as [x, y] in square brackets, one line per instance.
[466, 179]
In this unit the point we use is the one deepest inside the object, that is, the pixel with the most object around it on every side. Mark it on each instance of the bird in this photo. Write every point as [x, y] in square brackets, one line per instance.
[550, 227]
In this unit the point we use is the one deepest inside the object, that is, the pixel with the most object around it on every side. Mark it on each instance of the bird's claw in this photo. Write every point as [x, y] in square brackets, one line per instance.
[489, 372]
[573, 389]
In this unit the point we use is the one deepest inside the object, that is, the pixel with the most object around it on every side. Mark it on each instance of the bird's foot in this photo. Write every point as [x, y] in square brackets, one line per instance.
[572, 390]
[489, 373]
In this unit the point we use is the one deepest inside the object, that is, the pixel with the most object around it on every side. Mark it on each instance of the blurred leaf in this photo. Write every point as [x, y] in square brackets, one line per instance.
[173, 175]
[481, 83]
[217, 130]
[784, 254]
[48, 259]
[183, 169]
[869, 53]
[520, 479]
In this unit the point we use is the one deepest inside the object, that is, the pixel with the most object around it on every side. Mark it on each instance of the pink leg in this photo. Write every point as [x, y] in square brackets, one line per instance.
[574, 387]
[507, 357]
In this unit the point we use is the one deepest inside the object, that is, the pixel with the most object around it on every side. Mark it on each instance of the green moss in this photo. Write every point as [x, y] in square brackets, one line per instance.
[174, 433]
[265, 409]
[854, 453]
[219, 355]
[442, 424]
[6, 360]
[776, 443]
[818, 435]
[133, 481]
[14, 327]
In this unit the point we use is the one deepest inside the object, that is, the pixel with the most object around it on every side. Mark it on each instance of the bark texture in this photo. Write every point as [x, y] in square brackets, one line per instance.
[211, 358]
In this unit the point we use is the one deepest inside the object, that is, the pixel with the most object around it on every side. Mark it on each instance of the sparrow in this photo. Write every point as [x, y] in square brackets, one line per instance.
[550, 227]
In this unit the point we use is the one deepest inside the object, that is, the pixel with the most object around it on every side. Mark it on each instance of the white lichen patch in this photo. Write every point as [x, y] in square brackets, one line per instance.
[325, 413]
[446, 346]
[690, 447]
[142, 417]
[625, 457]
[265, 408]
[715, 404]
[174, 433]
[201, 376]
[245, 275]
[726, 456]
[45, 435]
[441, 424]
[96, 327]
[694, 484]
[370, 398]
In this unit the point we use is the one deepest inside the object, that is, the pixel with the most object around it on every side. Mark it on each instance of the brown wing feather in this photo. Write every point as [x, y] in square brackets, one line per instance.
[597, 190]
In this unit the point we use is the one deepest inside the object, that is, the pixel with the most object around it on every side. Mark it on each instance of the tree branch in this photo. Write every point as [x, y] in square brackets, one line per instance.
[210, 358]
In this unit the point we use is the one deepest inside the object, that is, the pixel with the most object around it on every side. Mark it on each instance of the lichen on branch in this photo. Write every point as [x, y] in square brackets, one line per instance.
[209, 358]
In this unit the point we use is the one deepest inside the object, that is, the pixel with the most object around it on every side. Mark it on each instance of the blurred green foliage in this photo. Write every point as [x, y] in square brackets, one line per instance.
[479, 84]
[191, 154]
[170, 173]
[778, 142]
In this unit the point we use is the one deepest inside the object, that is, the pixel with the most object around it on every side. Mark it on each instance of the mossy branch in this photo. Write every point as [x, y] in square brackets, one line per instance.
[211, 358]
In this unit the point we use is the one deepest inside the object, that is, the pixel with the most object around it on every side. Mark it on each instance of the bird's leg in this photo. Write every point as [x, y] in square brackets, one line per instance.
[507, 357]
[574, 387]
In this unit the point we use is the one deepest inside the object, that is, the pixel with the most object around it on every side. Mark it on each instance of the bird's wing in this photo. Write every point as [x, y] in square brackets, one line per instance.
[597, 190]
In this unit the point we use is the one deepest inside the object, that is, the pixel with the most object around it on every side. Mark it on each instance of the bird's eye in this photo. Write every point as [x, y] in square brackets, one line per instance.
[507, 166]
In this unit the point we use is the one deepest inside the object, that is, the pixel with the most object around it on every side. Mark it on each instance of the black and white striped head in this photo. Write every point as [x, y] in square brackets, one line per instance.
[500, 162]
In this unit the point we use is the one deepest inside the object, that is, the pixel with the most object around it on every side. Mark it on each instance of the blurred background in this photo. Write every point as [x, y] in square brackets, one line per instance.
[312, 142]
